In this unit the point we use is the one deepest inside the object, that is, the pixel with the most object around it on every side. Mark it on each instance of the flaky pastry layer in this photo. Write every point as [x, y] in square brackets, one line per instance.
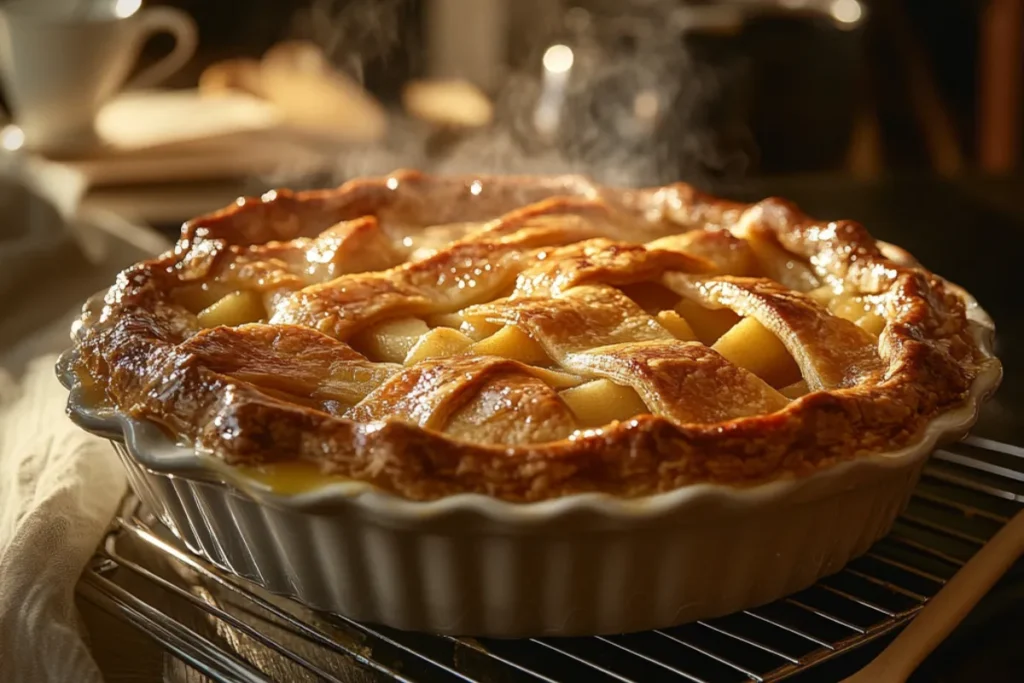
[339, 350]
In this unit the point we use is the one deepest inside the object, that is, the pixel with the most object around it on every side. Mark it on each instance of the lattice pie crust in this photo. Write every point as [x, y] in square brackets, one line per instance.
[528, 338]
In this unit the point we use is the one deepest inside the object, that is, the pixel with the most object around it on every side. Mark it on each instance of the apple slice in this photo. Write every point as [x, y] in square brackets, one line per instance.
[602, 401]
[752, 346]
[234, 309]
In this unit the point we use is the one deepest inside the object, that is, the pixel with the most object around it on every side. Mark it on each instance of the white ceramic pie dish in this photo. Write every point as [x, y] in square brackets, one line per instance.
[474, 565]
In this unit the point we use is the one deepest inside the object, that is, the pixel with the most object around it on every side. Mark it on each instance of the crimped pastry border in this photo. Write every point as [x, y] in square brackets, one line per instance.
[936, 356]
[157, 453]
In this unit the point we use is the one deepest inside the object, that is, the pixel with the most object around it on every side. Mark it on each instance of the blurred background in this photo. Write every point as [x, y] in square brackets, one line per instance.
[709, 89]
[629, 91]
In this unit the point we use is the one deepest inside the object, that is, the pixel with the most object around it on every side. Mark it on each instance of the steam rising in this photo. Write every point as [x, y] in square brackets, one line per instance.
[352, 34]
[622, 99]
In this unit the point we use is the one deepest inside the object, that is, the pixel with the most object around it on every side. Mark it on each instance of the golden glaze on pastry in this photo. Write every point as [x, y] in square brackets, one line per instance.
[528, 338]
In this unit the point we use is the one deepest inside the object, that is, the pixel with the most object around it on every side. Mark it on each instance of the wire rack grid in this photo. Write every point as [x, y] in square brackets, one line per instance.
[967, 492]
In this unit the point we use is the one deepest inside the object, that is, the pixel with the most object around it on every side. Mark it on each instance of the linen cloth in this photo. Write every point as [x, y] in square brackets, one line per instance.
[59, 487]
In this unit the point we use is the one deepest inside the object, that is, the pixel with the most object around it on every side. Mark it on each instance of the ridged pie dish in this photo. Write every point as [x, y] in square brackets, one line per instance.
[527, 406]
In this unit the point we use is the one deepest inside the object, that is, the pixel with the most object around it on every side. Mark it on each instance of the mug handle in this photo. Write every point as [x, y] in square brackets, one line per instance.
[186, 36]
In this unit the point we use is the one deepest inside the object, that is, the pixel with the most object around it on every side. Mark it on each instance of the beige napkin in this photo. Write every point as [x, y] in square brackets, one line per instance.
[59, 487]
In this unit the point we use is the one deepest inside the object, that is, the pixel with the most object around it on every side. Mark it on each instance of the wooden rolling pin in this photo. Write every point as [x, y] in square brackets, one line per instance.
[947, 609]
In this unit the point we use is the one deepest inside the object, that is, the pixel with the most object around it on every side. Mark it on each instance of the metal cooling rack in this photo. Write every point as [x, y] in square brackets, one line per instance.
[235, 631]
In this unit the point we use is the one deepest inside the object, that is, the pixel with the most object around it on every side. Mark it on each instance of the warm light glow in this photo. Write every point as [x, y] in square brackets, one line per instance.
[125, 8]
[646, 105]
[847, 11]
[558, 59]
[12, 138]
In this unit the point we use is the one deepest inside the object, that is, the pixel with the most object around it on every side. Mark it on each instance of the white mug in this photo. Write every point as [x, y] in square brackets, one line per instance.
[62, 60]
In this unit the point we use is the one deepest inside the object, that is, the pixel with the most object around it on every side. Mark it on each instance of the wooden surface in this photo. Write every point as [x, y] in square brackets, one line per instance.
[999, 98]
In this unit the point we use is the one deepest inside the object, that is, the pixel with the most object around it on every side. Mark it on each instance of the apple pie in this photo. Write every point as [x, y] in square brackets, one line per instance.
[529, 338]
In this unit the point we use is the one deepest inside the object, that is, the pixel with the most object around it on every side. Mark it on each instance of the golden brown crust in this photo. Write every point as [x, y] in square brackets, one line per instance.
[832, 352]
[546, 256]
